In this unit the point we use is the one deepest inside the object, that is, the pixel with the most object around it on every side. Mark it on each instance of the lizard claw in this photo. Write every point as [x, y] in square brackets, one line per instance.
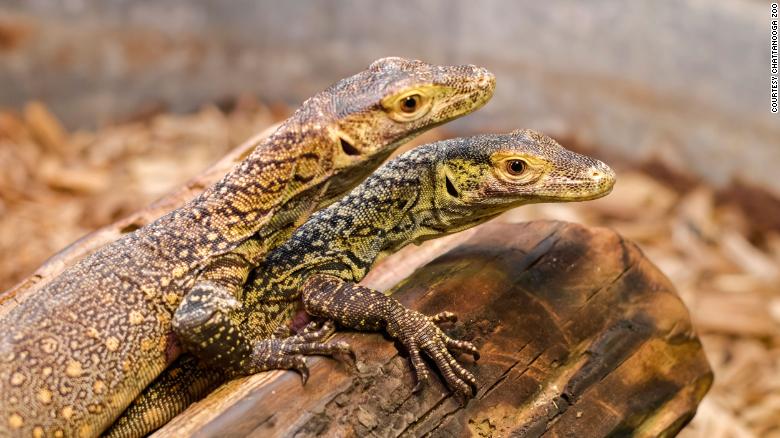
[299, 364]
[464, 346]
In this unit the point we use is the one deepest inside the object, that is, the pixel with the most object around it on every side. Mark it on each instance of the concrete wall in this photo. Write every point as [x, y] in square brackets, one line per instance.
[685, 80]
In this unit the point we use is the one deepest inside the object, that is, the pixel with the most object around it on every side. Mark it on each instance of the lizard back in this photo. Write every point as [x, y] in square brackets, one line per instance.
[76, 353]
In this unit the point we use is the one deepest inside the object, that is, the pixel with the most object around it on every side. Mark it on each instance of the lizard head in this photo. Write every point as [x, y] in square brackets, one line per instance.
[392, 101]
[483, 176]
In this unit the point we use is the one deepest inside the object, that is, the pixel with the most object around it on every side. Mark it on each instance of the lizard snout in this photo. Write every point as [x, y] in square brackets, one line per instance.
[603, 175]
[487, 80]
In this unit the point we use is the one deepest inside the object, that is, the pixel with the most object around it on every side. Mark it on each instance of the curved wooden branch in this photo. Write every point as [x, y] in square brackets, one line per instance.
[580, 336]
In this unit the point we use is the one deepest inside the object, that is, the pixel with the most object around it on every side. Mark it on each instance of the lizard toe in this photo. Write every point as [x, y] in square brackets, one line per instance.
[420, 370]
[281, 332]
[464, 346]
[299, 365]
[444, 317]
[317, 333]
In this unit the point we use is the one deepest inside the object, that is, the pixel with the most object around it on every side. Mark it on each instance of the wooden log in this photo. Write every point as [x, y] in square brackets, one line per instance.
[580, 335]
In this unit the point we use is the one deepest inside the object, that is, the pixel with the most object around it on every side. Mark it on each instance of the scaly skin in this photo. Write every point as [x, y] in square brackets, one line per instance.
[73, 356]
[434, 190]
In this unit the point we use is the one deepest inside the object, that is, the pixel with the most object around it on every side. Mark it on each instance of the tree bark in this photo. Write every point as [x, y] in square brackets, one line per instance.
[580, 335]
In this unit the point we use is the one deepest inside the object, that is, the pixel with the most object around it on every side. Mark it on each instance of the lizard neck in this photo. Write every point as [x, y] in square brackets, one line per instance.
[346, 238]
[282, 168]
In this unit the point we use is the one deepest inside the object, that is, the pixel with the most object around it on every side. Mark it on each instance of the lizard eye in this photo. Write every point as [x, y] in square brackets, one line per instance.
[409, 104]
[515, 167]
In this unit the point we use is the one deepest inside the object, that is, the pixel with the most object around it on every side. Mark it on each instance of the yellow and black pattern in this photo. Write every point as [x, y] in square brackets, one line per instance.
[431, 191]
[77, 353]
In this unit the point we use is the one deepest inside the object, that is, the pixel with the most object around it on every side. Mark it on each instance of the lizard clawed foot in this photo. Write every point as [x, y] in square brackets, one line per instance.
[290, 352]
[311, 340]
[420, 333]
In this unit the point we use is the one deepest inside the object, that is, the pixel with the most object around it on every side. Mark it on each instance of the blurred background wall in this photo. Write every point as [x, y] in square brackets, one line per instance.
[683, 81]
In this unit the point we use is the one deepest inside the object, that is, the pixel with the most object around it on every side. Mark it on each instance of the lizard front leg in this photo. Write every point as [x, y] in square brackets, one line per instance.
[362, 308]
[208, 322]
[203, 320]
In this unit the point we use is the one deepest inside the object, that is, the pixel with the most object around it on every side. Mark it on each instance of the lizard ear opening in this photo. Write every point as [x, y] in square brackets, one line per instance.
[451, 187]
[348, 147]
